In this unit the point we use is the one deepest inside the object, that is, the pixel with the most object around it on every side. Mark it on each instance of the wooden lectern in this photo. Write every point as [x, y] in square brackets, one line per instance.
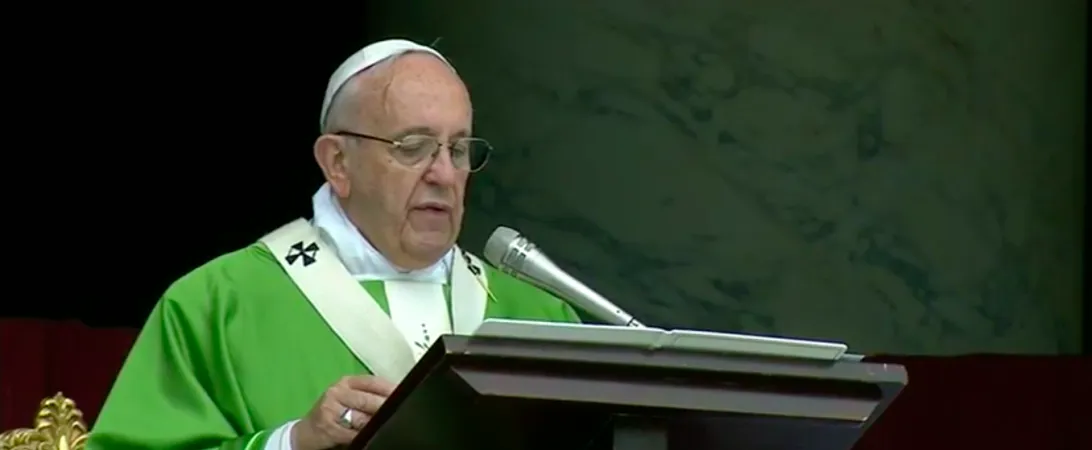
[497, 393]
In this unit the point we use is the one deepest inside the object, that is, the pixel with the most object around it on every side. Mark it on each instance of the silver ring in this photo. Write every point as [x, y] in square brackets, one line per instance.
[346, 419]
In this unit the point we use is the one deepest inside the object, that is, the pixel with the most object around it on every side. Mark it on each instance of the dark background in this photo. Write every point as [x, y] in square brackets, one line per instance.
[153, 144]
[145, 143]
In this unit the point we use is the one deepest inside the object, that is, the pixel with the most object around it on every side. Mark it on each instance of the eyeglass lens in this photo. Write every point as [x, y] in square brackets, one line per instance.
[466, 154]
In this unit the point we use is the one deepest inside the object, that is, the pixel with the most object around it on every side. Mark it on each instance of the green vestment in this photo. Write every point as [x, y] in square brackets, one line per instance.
[234, 350]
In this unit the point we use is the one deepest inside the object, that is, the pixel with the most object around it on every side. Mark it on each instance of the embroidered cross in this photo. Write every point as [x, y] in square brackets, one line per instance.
[477, 271]
[298, 251]
[424, 343]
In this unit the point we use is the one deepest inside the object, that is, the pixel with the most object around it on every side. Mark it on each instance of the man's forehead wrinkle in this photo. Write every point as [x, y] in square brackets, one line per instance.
[424, 68]
[371, 87]
[378, 103]
[389, 89]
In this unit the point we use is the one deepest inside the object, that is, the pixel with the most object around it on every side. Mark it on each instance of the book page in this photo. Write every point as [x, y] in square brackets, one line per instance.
[571, 332]
[655, 338]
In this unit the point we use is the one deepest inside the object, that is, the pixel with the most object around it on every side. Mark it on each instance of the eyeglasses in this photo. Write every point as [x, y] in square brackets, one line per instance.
[467, 153]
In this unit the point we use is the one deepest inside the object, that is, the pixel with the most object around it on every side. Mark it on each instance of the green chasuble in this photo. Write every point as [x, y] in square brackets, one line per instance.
[234, 350]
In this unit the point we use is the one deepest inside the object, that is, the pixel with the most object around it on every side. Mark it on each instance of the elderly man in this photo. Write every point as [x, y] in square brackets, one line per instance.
[295, 341]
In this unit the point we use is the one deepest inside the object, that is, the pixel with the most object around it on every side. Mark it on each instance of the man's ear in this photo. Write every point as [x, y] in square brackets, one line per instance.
[331, 158]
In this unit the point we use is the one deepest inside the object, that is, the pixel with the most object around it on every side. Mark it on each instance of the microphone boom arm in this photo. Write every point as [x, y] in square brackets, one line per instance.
[522, 259]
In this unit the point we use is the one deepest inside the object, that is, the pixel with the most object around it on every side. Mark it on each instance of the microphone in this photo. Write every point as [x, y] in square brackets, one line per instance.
[518, 256]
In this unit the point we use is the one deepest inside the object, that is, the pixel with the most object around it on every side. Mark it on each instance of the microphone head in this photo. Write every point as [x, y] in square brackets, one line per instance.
[498, 244]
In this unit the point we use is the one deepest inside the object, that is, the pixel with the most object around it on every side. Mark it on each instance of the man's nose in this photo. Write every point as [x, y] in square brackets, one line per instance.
[441, 171]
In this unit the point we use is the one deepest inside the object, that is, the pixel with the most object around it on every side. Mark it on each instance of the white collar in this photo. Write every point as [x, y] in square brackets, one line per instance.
[360, 256]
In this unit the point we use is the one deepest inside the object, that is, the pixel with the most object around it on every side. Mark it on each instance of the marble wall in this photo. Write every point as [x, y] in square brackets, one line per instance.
[905, 176]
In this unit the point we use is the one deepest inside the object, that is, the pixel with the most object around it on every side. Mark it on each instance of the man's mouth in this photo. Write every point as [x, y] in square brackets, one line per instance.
[433, 208]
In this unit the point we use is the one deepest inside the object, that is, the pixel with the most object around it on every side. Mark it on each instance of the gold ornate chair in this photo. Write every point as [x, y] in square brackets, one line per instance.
[58, 426]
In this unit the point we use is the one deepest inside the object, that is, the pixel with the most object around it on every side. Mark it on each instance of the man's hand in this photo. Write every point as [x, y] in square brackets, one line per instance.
[354, 397]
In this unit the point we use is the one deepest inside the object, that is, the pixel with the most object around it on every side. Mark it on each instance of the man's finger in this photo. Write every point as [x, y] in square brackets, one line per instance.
[332, 426]
[357, 420]
[360, 419]
[371, 384]
[343, 436]
[363, 402]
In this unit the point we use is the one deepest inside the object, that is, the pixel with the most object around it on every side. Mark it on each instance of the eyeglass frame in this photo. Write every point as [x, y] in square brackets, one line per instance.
[396, 143]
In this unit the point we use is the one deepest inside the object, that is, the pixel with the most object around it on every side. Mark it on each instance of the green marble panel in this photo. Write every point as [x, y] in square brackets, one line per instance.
[901, 175]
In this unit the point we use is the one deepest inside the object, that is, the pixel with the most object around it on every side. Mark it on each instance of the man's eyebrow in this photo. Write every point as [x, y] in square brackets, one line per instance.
[427, 131]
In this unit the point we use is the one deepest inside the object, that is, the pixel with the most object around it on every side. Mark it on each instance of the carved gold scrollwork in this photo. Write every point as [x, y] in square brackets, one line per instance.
[58, 426]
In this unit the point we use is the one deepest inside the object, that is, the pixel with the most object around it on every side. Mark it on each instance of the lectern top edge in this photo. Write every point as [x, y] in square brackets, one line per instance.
[514, 394]
[563, 352]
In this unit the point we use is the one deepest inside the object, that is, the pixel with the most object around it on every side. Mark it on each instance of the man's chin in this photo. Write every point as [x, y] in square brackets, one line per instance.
[430, 245]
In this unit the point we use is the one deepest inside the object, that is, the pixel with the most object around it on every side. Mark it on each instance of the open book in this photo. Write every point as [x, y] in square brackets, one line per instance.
[655, 338]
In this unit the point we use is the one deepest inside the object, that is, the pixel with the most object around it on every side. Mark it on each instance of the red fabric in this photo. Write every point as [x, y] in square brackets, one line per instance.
[988, 402]
[39, 358]
[967, 402]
